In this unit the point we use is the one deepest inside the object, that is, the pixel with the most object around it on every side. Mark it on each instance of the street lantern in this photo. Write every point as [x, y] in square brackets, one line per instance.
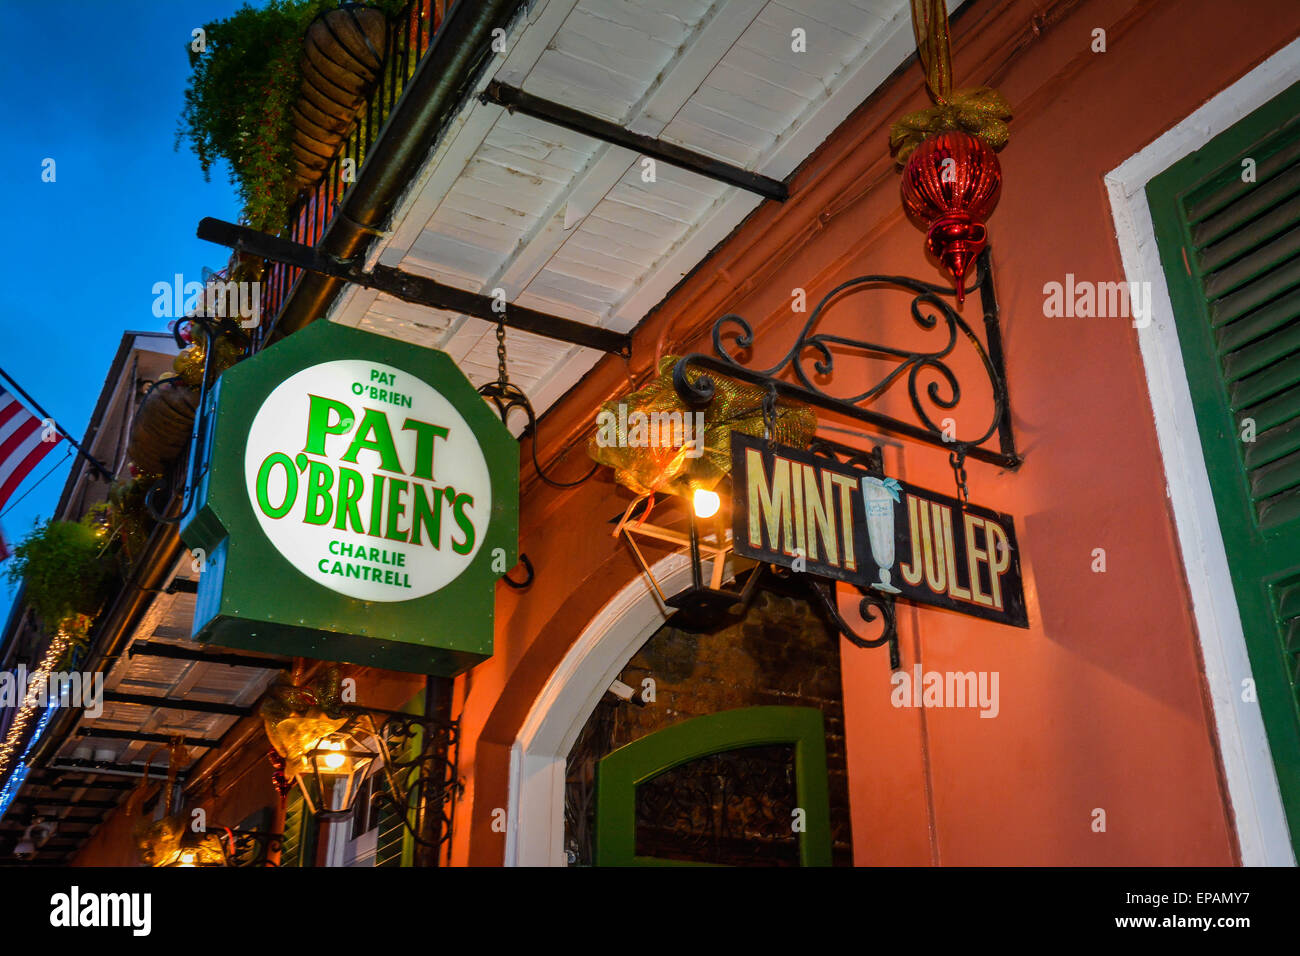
[331, 771]
[198, 849]
[706, 603]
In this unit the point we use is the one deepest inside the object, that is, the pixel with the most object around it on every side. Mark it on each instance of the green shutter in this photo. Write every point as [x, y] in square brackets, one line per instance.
[1230, 249]
[299, 847]
[394, 844]
[391, 840]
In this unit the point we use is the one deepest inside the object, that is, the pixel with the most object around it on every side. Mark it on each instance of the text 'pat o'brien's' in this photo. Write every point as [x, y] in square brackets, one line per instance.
[408, 509]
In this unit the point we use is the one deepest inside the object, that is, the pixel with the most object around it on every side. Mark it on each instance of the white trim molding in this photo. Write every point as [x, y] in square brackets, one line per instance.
[1251, 778]
[535, 818]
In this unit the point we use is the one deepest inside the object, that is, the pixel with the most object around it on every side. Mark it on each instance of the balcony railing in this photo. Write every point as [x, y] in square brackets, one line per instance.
[409, 39]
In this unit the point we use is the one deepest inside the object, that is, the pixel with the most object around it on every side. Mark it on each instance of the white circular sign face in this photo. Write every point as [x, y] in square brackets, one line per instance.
[367, 480]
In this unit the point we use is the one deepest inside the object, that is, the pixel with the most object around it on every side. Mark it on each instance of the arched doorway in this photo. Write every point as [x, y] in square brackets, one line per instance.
[746, 801]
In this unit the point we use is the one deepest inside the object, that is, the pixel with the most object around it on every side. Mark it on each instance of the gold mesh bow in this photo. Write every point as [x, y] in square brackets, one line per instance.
[979, 111]
[630, 433]
[296, 718]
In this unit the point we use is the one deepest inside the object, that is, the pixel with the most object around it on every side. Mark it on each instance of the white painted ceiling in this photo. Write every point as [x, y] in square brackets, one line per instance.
[565, 223]
[168, 621]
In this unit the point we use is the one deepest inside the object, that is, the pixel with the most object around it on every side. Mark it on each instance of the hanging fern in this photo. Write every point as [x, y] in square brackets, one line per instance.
[240, 97]
[65, 574]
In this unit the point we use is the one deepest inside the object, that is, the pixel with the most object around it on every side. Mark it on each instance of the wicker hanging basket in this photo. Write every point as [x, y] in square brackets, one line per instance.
[162, 426]
[343, 52]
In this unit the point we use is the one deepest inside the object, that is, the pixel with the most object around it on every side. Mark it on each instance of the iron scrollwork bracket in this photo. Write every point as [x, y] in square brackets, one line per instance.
[792, 379]
[414, 747]
[253, 847]
[873, 462]
[882, 603]
[871, 605]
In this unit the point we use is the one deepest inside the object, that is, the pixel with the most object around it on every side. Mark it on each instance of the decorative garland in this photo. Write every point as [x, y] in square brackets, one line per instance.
[54, 653]
[298, 717]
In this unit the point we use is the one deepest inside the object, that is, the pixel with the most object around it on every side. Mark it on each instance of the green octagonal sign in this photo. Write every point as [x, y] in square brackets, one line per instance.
[357, 501]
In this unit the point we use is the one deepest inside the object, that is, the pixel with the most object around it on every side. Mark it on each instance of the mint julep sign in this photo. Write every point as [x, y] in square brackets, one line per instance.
[358, 502]
[803, 511]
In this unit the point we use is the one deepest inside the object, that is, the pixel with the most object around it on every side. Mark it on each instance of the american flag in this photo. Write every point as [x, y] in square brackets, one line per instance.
[22, 446]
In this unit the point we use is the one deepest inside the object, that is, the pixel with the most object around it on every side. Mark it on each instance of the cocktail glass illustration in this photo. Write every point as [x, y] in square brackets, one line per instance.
[879, 495]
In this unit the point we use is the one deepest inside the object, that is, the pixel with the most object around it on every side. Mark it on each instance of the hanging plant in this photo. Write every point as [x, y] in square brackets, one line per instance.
[66, 575]
[124, 518]
[240, 98]
[161, 431]
[342, 55]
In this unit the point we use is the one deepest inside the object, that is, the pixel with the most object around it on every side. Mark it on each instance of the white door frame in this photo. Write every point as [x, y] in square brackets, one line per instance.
[1251, 778]
[535, 817]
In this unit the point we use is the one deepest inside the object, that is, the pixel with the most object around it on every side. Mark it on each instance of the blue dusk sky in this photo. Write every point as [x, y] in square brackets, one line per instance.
[98, 88]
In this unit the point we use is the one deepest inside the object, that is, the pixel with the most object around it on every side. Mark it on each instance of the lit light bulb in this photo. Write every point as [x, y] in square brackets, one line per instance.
[707, 503]
[187, 858]
[336, 758]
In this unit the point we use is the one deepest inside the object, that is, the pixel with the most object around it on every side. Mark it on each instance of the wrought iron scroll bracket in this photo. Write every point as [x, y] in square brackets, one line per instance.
[871, 605]
[412, 743]
[931, 382]
[253, 847]
[871, 599]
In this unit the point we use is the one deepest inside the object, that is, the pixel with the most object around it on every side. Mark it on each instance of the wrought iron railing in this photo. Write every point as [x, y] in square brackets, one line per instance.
[409, 39]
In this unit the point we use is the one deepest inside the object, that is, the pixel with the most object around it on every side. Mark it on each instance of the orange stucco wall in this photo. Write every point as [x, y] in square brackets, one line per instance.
[1102, 698]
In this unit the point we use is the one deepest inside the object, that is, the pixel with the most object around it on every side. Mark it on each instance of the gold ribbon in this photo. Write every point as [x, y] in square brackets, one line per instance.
[296, 718]
[646, 465]
[978, 111]
[188, 365]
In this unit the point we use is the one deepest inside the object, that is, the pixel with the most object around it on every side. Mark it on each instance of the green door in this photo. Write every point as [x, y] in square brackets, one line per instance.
[1227, 221]
[744, 787]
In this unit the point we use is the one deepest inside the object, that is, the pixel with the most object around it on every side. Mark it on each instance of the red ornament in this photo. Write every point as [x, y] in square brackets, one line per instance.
[951, 183]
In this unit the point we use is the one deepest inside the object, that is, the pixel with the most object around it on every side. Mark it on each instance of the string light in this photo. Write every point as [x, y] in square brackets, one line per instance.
[38, 681]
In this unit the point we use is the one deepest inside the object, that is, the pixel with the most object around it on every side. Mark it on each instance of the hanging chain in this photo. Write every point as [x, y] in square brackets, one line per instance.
[507, 397]
[769, 413]
[958, 461]
[503, 376]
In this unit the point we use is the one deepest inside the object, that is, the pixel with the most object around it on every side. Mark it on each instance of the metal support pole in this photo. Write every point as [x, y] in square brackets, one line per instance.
[697, 575]
[516, 100]
[430, 817]
[419, 290]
